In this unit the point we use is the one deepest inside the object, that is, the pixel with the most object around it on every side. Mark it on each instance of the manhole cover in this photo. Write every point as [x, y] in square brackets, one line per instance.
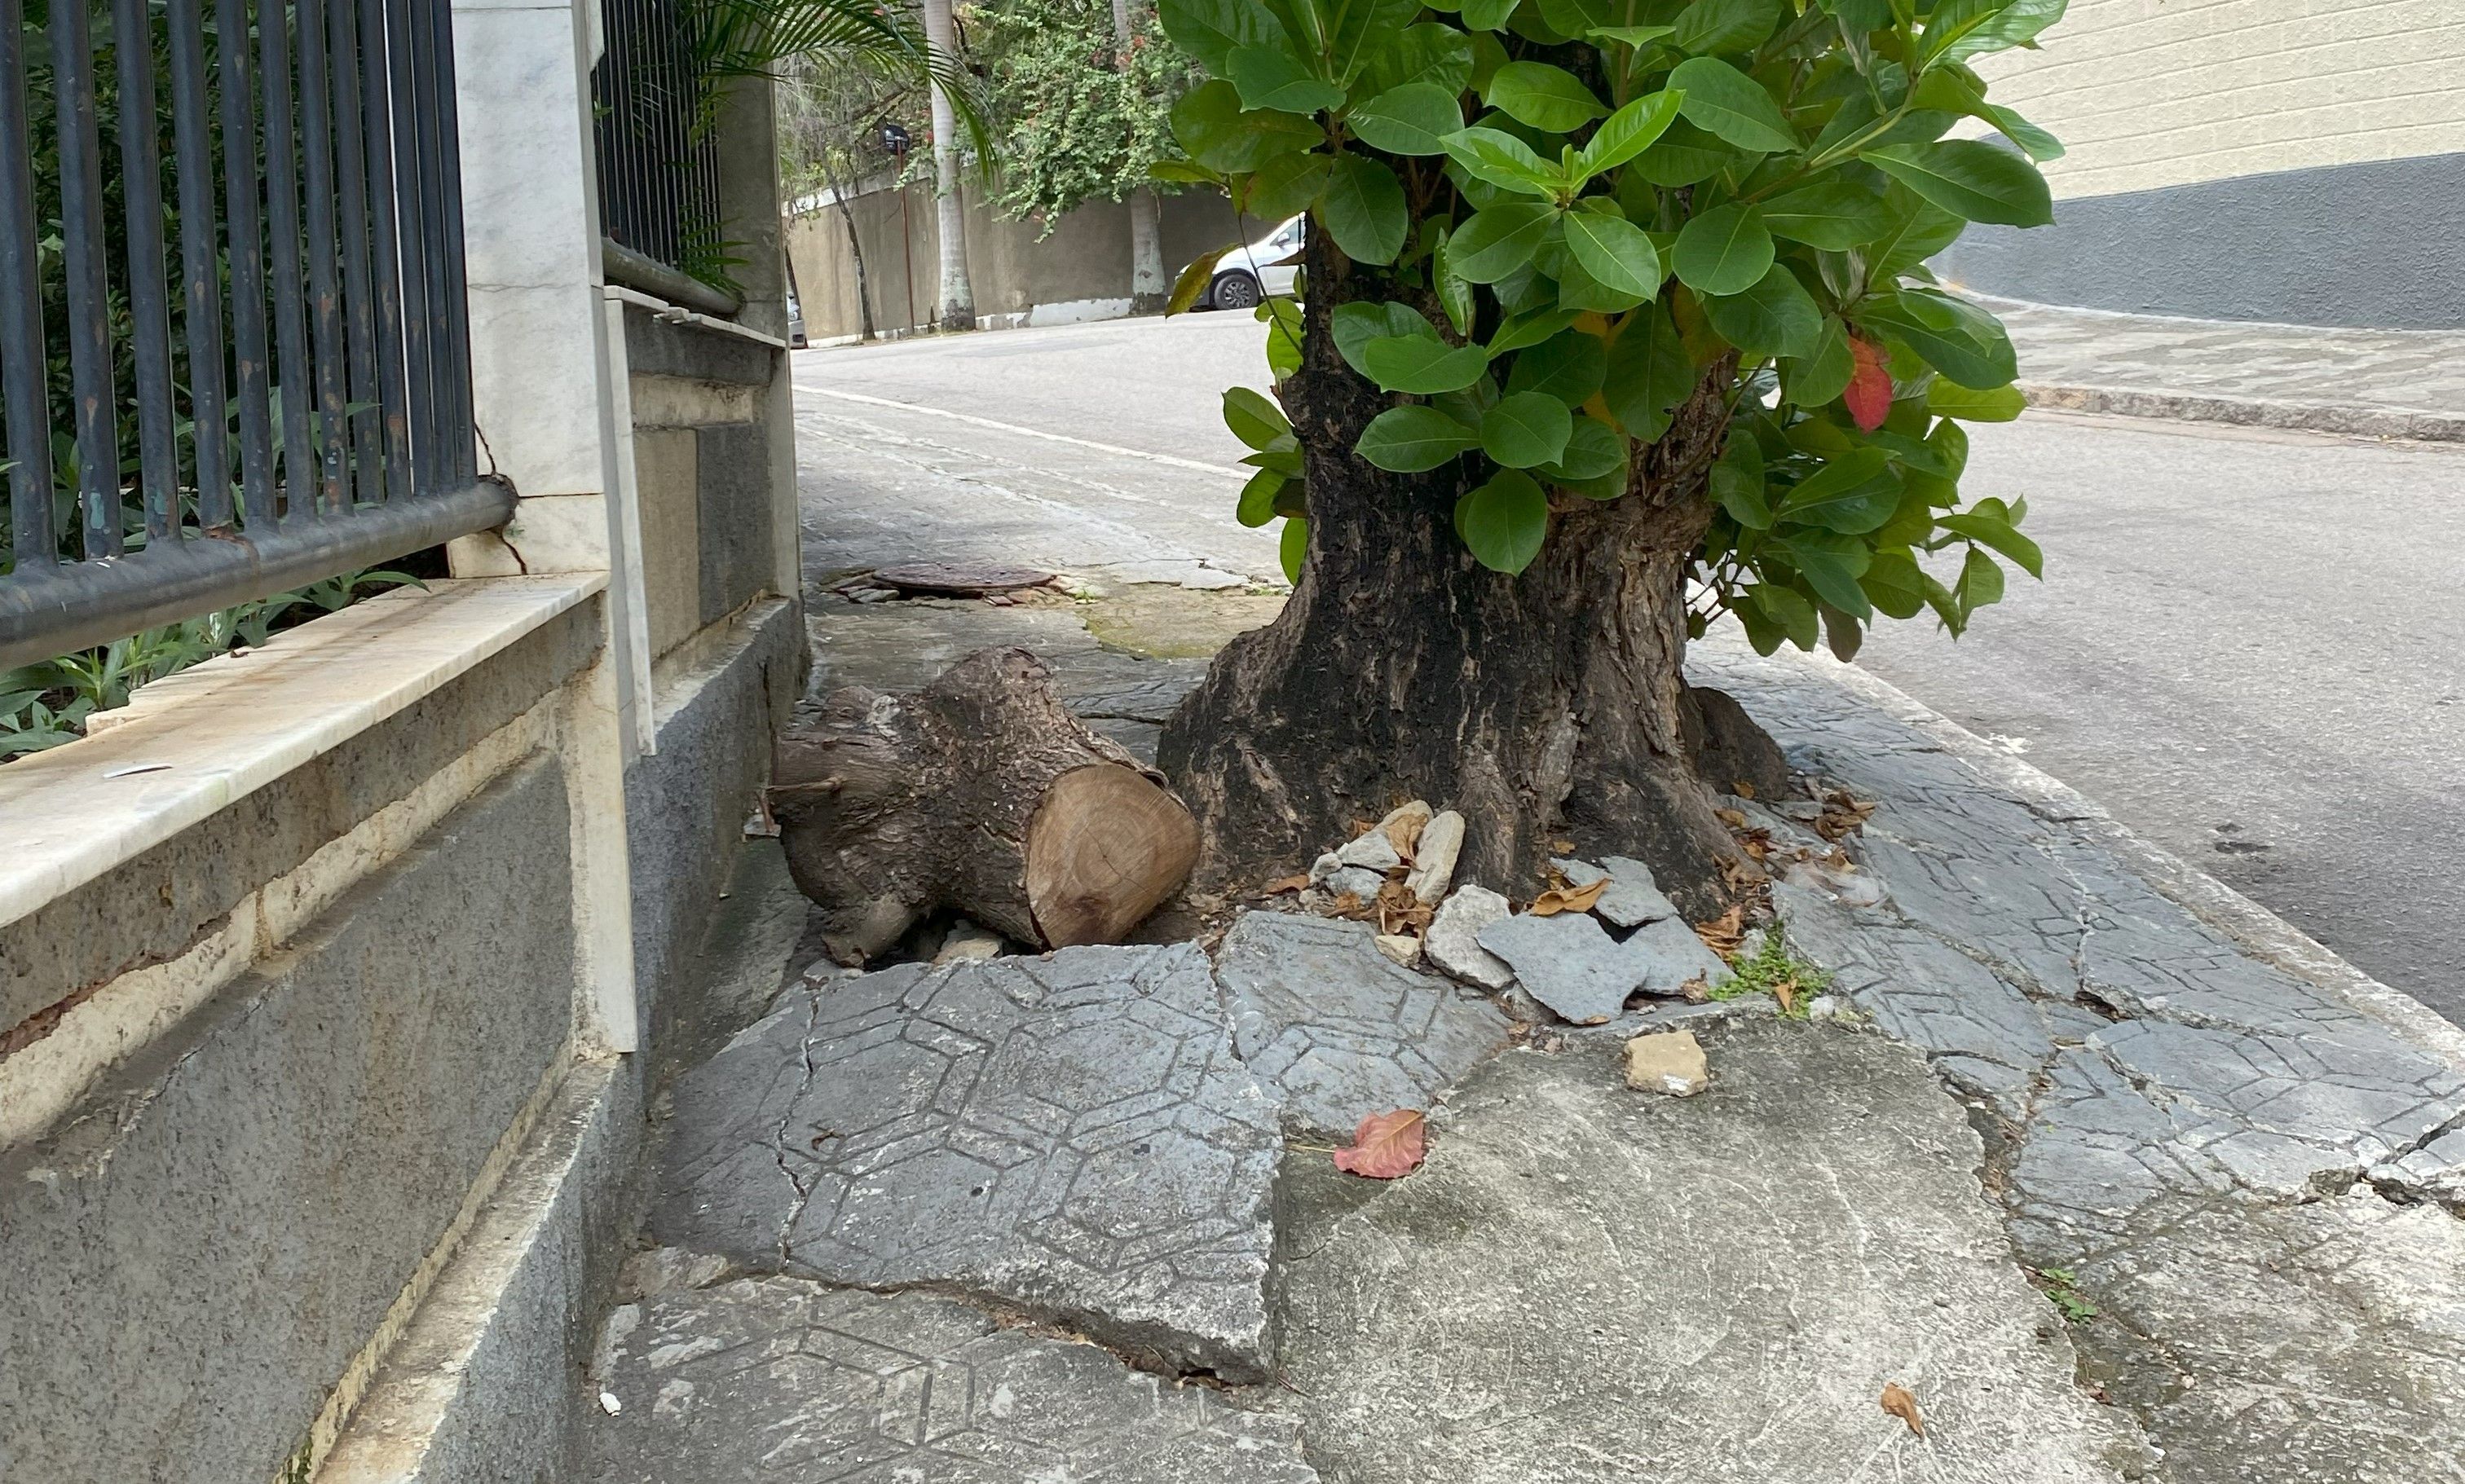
[959, 581]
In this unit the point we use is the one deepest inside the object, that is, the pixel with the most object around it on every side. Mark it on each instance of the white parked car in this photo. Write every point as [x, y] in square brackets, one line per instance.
[1248, 274]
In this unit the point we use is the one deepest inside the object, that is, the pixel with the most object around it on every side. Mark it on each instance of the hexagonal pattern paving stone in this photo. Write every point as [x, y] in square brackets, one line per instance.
[782, 1382]
[1341, 1030]
[1071, 1136]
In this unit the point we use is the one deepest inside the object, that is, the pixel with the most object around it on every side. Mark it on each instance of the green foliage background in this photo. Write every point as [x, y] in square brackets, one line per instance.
[1582, 210]
[1080, 118]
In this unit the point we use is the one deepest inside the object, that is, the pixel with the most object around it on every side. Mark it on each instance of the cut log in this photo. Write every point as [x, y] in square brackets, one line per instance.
[981, 794]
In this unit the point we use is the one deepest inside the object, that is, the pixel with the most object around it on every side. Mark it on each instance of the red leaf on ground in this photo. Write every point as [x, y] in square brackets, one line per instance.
[1868, 397]
[1386, 1146]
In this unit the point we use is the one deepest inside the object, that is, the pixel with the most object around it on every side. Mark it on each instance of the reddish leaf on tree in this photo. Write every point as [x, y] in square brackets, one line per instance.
[1386, 1146]
[1869, 396]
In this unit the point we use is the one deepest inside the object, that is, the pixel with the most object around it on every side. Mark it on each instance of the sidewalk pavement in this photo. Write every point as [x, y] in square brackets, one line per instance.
[2382, 384]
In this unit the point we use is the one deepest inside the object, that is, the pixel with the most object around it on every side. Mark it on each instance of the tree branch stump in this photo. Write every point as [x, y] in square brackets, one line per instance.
[981, 794]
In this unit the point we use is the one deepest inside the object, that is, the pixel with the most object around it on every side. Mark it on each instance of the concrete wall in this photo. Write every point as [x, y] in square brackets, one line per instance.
[1081, 271]
[2293, 159]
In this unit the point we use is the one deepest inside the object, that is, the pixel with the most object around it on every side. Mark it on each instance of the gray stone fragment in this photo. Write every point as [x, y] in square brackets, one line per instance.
[1664, 957]
[1681, 1262]
[783, 1382]
[1327, 865]
[1072, 1135]
[1359, 880]
[1453, 941]
[1339, 1030]
[1632, 898]
[1434, 857]
[1371, 850]
[1579, 873]
[1566, 962]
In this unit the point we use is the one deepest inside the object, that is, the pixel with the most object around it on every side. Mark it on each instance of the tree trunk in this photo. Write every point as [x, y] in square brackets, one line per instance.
[957, 305]
[1543, 706]
[982, 794]
[1149, 290]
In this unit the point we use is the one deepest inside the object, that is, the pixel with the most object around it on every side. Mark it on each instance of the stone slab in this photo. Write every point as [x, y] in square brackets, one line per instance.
[1567, 961]
[1072, 1136]
[1586, 1284]
[1453, 941]
[1664, 956]
[1340, 1031]
[775, 1381]
[1633, 898]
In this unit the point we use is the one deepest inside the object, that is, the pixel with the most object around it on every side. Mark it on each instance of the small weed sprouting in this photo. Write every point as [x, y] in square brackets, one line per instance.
[2061, 1286]
[1774, 970]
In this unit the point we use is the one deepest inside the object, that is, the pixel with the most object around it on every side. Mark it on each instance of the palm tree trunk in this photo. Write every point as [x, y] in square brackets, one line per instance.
[957, 309]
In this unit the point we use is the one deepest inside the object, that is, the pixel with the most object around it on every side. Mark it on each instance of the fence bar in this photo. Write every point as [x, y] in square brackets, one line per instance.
[89, 290]
[251, 386]
[367, 484]
[194, 163]
[21, 319]
[394, 418]
[149, 304]
[455, 406]
[293, 375]
[415, 80]
[325, 294]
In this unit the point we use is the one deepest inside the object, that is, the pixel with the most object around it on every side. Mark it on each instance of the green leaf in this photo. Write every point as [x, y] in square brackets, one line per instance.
[1831, 563]
[1923, 229]
[1362, 30]
[1503, 159]
[1268, 76]
[1453, 289]
[1486, 14]
[1414, 119]
[1773, 317]
[1543, 97]
[1529, 329]
[1285, 460]
[1430, 53]
[1254, 418]
[1210, 30]
[1504, 521]
[1526, 428]
[1594, 451]
[1822, 374]
[1287, 185]
[1649, 373]
[1684, 156]
[1834, 216]
[1293, 550]
[1708, 27]
[1853, 494]
[1194, 279]
[2016, 24]
[1738, 482]
[1895, 583]
[1637, 37]
[1363, 209]
[1951, 21]
[1628, 133]
[1496, 242]
[1422, 365]
[1788, 608]
[1569, 365]
[1257, 504]
[1947, 398]
[1615, 253]
[1356, 324]
[1724, 251]
[1726, 103]
[1212, 127]
[1971, 179]
[1958, 339]
[1411, 439]
[1981, 581]
[1580, 290]
[1994, 528]
[1282, 318]
[1182, 172]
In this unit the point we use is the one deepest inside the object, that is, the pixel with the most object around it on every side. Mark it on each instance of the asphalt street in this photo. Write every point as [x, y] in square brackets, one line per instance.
[2247, 645]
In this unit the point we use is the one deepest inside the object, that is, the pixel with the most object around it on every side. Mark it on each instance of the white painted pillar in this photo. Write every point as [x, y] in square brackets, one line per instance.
[554, 417]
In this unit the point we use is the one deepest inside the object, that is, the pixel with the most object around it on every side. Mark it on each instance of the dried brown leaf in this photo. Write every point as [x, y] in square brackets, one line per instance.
[1898, 1401]
[1786, 992]
[1735, 819]
[1742, 789]
[1563, 847]
[1404, 834]
[1724, 934]
[1282, 884]
[1386, 1146]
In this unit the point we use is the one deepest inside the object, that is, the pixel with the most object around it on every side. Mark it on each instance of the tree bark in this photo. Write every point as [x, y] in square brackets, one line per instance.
[856, 253]
[1149, 290]
[956, 307]
[1543, 706]
[981, 794]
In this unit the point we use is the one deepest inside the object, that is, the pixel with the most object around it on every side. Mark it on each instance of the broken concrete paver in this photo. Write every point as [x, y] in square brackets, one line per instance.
[1633, 898]
[1585, 1285]
[1667, 1061]
[1339, 1031]
[1072, 1136]
[1664, 957]
[1453, 941]
[777, 1381]
[1567, 961]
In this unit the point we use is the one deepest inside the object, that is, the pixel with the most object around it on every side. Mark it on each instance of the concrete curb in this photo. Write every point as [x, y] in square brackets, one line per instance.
[2258, 931]
[2349, 418]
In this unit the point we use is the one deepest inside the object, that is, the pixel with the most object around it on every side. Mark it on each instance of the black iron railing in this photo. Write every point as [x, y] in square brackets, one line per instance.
[288, 400]
[658, 155]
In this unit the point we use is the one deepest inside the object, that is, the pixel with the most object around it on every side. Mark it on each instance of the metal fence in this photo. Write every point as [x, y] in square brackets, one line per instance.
[658, 158]
[288, 400]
